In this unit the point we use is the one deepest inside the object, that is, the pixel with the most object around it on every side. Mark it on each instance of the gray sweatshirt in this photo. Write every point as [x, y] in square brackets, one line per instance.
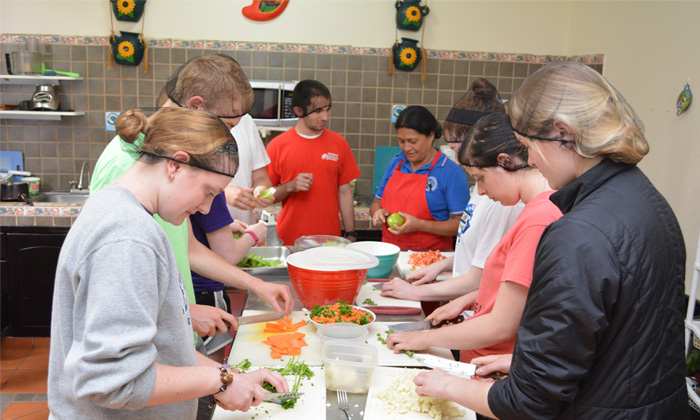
[119, 306]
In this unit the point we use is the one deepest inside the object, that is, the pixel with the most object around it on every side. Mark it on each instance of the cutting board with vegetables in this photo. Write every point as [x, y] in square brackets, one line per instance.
[376, 408]
[405, 269]
[387, 357]
[311, 406]
[371, 298]
[248, 344]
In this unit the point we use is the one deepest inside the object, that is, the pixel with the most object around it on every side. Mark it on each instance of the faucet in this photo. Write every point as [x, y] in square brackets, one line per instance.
[80, 187]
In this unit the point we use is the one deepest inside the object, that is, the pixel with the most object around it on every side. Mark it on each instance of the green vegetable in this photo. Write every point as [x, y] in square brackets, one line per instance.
[237, 235]
[410, 353]
[252, 260]
[300, 369]
[369, 301]
[693, 360]
[344, 308]
[243, 365]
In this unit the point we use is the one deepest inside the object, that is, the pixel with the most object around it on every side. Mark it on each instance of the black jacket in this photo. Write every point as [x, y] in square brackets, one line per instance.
[601, 335]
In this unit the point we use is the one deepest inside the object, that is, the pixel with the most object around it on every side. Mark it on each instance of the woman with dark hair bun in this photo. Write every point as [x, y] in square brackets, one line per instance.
[498, 162]
[428, 190]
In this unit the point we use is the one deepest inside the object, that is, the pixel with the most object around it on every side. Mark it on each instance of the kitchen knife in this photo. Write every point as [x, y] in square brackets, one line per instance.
[221, 340]
[424, 325]
[278, 397]
[453, 367]
[254, 319]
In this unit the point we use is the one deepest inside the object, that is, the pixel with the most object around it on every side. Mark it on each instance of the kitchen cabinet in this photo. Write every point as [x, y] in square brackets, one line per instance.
[12, 79]
[29, 271]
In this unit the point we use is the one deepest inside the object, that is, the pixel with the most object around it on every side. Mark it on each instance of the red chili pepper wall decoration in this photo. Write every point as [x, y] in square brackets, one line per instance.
[265, 9]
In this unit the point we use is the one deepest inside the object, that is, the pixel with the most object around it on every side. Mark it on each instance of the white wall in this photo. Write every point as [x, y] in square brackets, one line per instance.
[495, 26]
[651, 50]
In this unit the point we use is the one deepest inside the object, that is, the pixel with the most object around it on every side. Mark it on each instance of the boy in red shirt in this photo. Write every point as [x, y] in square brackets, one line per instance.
[312, 167]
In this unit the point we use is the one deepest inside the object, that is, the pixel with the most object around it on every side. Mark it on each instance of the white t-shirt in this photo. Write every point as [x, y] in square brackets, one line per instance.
[251, 156]
[483, 224]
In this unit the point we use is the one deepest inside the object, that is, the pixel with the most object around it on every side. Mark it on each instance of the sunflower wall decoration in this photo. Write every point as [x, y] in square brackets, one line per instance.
[128, 10]
[410, 14]
[127, 48]
[407, 54]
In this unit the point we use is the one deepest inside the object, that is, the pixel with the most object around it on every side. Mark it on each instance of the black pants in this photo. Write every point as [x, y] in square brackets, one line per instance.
[204, 412]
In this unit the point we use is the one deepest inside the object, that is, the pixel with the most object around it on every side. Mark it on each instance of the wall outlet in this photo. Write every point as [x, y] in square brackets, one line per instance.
[395, 111]
[110, 118]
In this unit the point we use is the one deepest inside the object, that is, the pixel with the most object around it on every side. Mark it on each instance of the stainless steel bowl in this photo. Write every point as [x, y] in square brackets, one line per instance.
[273, 253]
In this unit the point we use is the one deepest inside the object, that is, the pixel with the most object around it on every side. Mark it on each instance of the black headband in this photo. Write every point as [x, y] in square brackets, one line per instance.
[465, 117]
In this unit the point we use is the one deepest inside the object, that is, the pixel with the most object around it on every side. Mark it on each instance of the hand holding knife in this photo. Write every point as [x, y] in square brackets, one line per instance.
[453, 367]
[424, 325]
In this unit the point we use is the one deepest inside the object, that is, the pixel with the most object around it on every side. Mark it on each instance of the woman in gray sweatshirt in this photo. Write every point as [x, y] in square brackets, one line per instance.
[121, 334]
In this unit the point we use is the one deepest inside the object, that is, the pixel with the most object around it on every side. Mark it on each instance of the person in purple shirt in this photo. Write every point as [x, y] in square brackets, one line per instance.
[214, 231]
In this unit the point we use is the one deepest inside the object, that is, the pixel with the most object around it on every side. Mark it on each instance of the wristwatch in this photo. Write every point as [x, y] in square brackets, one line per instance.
[350, 233]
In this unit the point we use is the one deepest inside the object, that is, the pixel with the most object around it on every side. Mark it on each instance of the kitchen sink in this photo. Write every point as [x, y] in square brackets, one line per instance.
[61, 197]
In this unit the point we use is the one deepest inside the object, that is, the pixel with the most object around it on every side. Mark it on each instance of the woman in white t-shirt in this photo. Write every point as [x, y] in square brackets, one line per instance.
[483, 223]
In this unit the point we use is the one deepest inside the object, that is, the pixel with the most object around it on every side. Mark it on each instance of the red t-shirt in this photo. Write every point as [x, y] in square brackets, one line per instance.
[513, 259]
[330, 159]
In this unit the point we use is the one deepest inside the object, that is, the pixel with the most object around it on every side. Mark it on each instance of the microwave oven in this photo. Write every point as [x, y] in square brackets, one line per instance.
[273, 103]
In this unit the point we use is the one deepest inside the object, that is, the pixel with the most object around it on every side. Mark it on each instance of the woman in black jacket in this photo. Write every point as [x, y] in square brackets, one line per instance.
[601, 335]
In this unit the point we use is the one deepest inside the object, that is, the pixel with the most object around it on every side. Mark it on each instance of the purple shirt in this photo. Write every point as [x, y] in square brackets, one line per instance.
[217, 218]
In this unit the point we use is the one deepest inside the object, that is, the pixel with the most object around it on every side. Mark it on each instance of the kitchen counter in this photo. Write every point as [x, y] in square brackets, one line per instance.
[357, 401]
[64, 214]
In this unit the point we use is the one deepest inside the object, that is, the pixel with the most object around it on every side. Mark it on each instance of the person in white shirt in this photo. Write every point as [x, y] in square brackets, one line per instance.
[251, 173]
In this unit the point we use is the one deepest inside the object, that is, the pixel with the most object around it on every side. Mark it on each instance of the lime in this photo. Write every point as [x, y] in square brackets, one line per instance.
[262, 192]
[395, 220]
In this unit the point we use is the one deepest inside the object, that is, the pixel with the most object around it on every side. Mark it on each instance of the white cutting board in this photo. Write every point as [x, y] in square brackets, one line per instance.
[311, 406]
[248, 345]
[375, 409]
[369, 292]
[405, 268]
[387, 357]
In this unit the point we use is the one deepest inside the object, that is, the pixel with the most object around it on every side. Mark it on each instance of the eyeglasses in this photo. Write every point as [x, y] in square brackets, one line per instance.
[321, 108]
[221, 117]
[513, 169]
[532, 136]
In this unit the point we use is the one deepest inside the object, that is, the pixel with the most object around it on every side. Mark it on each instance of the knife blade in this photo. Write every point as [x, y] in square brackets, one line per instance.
[254, 319]
[424, 325]
[278, 397]
[453, 367]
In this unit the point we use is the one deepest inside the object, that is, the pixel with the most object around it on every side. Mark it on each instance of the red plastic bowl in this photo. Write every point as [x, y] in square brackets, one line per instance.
[315, 287]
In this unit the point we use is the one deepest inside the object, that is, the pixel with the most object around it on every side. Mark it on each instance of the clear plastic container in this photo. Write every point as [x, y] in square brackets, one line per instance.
[337, 331]
[349, 365]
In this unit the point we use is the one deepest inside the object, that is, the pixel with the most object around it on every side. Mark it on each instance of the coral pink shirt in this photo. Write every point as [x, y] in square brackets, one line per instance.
[513, 259]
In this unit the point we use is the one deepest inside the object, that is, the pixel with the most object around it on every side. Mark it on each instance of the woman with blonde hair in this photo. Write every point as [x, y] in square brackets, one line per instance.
[121, 332]
[601, 336]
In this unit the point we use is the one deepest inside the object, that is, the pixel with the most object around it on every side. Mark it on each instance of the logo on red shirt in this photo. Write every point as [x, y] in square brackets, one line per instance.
[330, 156]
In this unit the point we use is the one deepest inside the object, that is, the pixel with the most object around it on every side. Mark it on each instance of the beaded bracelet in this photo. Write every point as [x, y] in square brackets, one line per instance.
[226, 378]
[253, 235]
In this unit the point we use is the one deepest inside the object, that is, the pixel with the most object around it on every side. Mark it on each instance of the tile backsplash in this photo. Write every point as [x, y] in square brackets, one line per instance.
[363, 93]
